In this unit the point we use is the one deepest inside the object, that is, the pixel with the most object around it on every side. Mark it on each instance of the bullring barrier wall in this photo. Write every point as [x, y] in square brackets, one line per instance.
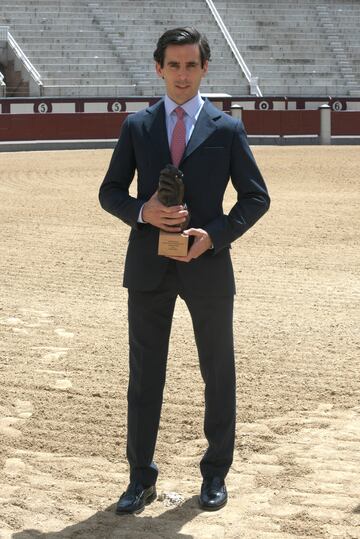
[29, 119]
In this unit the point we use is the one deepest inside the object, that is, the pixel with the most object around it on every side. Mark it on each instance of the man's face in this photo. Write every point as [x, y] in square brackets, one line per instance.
[182, 71]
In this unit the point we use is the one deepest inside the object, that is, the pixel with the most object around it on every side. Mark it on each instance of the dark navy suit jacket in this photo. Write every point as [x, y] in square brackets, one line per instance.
[217, 151]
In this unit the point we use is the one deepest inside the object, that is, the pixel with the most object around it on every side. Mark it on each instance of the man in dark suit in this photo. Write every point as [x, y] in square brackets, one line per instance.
[209, 147]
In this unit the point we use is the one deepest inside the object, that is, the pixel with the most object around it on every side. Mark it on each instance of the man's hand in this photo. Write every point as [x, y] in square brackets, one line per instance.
[162, 216]
[202, 243]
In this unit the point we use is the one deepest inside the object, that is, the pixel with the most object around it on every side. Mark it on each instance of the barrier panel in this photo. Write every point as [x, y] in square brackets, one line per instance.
[345, 123]
[281, 122]
[60, 126]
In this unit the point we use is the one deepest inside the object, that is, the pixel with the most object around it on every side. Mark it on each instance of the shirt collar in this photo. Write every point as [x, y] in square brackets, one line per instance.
[191, 107]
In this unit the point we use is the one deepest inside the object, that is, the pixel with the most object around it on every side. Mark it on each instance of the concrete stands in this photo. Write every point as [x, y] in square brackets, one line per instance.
[133, 26]
[104, 47]
[287, 45]
[67, 47]
[341, 22]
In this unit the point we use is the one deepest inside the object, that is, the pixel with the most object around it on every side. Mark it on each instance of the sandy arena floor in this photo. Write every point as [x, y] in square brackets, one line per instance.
[63, 370]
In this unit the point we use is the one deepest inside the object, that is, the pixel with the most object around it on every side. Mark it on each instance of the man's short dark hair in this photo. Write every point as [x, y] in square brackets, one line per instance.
[182, 36]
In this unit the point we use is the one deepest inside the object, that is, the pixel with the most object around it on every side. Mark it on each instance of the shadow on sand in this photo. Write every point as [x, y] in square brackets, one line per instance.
[107, 525]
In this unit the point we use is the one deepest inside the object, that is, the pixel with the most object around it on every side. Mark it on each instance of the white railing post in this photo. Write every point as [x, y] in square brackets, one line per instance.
[254, 87]
[4, 33]
[2, 86]
[3, 37]
[325, 124]
[236, 111]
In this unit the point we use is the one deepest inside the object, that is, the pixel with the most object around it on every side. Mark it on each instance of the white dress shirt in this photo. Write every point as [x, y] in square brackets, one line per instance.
[192, 110]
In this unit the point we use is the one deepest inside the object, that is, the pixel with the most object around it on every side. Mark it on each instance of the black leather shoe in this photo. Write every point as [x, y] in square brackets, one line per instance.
[213, 495]
[134, 499]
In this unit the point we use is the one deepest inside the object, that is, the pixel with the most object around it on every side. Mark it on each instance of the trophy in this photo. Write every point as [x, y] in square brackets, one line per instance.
[171, 193]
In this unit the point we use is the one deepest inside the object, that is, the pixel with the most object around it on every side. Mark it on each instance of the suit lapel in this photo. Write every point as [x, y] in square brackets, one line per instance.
[155, 125]
[204, 127]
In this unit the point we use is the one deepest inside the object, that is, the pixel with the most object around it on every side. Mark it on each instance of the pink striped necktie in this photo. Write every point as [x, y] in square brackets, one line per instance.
[178, 139]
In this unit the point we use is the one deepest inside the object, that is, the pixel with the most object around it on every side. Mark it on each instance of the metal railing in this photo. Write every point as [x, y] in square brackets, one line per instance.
[5, 35]
[34, 74]
[2, 86]
[253, 81]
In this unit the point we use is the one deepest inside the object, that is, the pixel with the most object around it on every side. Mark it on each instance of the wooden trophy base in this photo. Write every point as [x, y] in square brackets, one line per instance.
[173, 244]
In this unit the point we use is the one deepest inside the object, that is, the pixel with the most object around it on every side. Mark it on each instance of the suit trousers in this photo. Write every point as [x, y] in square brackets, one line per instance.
[150, 316]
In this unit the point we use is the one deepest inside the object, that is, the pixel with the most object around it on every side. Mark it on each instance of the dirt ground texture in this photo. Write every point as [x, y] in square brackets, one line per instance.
[64, 360]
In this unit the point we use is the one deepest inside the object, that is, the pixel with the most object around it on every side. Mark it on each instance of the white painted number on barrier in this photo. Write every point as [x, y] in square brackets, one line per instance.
[43, 108]
[264, 105]
[116, 106]
[337, 105]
